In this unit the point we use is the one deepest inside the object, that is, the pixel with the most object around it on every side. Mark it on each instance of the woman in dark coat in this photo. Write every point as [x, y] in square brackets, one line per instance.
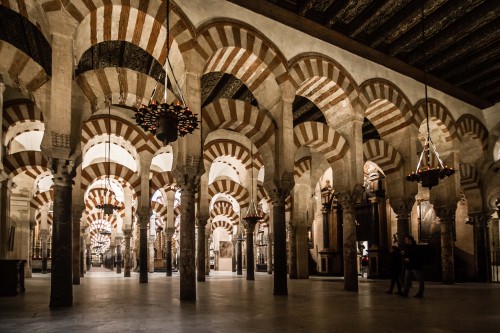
[395, 265]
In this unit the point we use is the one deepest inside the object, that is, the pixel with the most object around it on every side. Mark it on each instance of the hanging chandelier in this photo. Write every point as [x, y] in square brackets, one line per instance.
[166, 120]
[426, 174]
[106, 206]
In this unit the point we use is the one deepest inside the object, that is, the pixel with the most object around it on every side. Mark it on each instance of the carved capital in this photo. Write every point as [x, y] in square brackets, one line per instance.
[127, 233]
[201, 223]
[402, 207]
[63, 170]
[187, 178]
[446, 213]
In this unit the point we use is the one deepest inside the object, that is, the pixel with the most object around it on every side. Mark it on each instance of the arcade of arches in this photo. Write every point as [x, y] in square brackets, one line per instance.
[283, 116]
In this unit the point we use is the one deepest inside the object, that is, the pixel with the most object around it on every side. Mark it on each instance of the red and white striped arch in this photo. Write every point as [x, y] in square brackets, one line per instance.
[229, 187]
[219, 148]
[469, 124]
[262, 194]
[162, 180]
[239, 48]
[138, 22]
[124, 86]
[224, 225]
[31, 162]
[42, 198]
[469, 176]
[38, 217]
[388, 108]
[322, 138]
[226, 209]
[159, 209]
[122, 174]
[20, 118]
[323, 81]
[96, 216]
[21, 70]
[98, 196]
[440, 113]
[32, 11]
[382, 154]
[302, 166]
[241, 117]
[98, 126]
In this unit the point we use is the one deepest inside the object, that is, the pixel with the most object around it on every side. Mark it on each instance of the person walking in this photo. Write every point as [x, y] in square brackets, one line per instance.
[413, 263]
[395, 265]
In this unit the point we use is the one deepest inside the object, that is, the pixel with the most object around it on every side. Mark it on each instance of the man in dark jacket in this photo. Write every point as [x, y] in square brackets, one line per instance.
[413, 262]
[395, 264]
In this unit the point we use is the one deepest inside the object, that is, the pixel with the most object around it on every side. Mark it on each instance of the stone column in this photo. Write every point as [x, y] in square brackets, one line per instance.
[479, 220]
[168, 255]
[402, 208]
[77, 215]
[201, 224]
[44, 236]
[239, 257]
[251, 221]
[127, 233]
[187, 180]
[61, 292]
[326, 229]
[382, 213]
[112, 249]
[143, 246]
[88, 257]
[375, 226]
[270, 238]
[349, 241]
[30, 253]
[292, 237]
[118, 241]
[207, 255]
[233, 259]
[302, 253]
[82, 251]
[279, 231]
[151, 252]
[4, 215]
[446, 215]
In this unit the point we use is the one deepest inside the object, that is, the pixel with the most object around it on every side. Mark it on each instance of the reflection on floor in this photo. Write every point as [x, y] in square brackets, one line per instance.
[108, 302]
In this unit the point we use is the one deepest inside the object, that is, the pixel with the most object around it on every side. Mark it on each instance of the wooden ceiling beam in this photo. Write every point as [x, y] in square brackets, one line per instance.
[319, 31]
[455, 32]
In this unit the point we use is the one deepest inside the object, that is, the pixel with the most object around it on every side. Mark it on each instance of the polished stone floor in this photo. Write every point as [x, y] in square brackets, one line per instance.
[107, 302]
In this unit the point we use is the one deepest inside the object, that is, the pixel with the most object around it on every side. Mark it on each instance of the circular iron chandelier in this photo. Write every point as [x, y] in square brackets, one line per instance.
[167, 120]
[425, 173]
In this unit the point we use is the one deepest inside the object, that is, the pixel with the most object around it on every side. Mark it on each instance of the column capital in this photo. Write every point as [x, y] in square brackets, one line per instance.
[445, 213]
[127, 233]
[63, 170]
[201, 223]
[187, 177]
[402, 206]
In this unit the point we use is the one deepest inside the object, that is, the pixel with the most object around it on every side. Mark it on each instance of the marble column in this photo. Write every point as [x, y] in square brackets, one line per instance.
[207, 255]
[113, 256]
[30, 253]
[402, 208]
[61, 291]
[143, 246]
[88, 257]
[187, 180]
[82, 252]
[77, 215]
[127, 233]
[168, 254]
[233, 259]
[292, 238]
[302, 253]
[151, 253]
[446, 215]
[251, 221]
[239, 256]
[375, 225]
[44, 236]
[201, 224]
[279, 231]
[4, 216]
[479, 221]
[326, 229]
[118, 241]
[349, 241]
[270, 239]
